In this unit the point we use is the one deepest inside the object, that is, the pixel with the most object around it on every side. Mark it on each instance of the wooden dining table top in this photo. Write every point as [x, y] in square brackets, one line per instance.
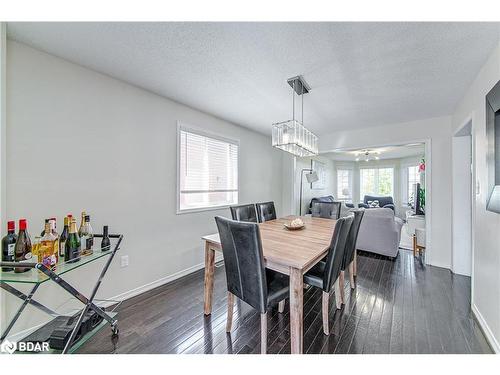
[300, 249]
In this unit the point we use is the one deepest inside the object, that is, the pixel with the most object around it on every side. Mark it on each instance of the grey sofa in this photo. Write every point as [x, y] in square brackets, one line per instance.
[387, 202]
[380, 232]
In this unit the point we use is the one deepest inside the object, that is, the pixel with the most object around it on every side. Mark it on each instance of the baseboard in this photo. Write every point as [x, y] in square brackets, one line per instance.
[164, 280]
[492, 341]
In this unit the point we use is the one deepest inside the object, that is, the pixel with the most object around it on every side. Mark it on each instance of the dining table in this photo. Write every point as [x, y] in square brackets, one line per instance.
[291, 252]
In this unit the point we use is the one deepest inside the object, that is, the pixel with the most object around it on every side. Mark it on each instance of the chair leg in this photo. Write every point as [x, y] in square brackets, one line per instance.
[355, 263]
[351, 275]
[342, 287]
[281, 306]
[414, 245]
[230, 305]
[338, 302]
[263, 333]
[324, 307]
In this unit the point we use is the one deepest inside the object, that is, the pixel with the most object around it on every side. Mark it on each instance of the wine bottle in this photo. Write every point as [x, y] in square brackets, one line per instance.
[105, 243]
[42, 233]
[8, 245]
[22, 250]
[63, 237]
[89, 236]
[53, 230]
[72, 248]
[48, 248]
[82, 234]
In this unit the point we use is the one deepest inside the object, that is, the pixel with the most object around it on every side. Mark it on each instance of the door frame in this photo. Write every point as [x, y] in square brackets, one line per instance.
[470, 118]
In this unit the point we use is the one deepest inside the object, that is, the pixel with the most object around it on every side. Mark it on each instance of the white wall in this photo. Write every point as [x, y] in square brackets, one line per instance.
[77, 140]
[486, 225]
[438, 202]
[462, 205]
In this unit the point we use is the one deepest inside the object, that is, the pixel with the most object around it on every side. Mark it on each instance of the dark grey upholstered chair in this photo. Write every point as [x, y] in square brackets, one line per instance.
[245, 212]
[350, 251]
[326, 273]
[265, 211]
[246, 276]
[326, 199]
[326, 210]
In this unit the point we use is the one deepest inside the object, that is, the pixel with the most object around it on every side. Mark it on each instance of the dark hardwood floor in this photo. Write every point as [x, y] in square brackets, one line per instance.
[399, 306]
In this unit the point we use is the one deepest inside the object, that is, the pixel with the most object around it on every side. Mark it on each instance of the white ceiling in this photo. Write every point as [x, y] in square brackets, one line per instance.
[361, 74]
[387, 152]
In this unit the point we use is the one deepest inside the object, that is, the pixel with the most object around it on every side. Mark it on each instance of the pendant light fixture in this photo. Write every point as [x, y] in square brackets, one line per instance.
[291, 135]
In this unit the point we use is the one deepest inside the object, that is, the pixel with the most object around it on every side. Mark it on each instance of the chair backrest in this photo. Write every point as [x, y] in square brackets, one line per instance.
[326, 210]
[326, 199]
[381, 200]
[265, 211]
[335, 255]
[244, 261]
[352, 237]
[245, 212]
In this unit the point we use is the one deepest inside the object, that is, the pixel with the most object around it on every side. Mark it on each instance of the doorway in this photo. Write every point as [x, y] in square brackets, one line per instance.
[462, 190]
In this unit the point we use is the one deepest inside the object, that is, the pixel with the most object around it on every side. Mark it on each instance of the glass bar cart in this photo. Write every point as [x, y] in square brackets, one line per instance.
[39, 274]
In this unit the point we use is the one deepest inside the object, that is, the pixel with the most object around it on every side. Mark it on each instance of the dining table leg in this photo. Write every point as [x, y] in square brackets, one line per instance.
[209, 278]
[296, 310]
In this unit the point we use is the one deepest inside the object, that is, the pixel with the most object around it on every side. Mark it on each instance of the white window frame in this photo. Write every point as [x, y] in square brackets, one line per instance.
[350, 183]
[405, 192]
[377, 168]
[196, 130]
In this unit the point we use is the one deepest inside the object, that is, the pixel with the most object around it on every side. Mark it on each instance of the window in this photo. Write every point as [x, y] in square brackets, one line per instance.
[376, 181]
[413, 177]
[208, 171]
[344, 184]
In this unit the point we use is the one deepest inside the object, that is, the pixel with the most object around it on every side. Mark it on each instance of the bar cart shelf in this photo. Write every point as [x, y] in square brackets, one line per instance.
[39, 274]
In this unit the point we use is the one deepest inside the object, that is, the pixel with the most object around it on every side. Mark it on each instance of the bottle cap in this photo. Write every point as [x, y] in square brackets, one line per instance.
[11, 225]
[53, 218]
[23, 224]
[70, 216]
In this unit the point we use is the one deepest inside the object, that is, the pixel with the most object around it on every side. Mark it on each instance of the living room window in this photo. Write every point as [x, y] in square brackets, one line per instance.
[207, 171]
[344, 184]
[376, 181]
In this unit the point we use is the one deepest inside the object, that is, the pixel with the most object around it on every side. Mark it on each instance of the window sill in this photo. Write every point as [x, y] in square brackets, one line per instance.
[203, 209]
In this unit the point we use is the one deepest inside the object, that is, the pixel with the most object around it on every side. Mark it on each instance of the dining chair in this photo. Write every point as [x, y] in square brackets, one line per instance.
[325, 274]
[247, 278]
[244, 212]
[265, 211]
[350, 252]
[326, 210]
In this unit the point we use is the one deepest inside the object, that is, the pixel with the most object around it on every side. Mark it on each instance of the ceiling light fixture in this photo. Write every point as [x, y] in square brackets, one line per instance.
[367, 155]
[291, 135]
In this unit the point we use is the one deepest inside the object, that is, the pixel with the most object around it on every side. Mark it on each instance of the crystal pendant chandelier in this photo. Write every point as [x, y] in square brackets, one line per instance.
[291, 136]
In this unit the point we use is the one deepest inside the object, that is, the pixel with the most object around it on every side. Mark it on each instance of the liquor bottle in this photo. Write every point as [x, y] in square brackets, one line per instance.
[42, 233]
[72, 248]
[105, 243]
[48, 250]
[89, 236]
[22, 250]
[63, 237]
[53, 230]
[81, 233]
[8, 245]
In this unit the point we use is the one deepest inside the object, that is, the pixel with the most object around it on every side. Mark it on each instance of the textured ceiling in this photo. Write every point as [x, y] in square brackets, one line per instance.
[361, 74]
[388, 152]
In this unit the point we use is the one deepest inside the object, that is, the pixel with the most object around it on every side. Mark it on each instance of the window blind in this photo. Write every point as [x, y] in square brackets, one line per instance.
[208, 171]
